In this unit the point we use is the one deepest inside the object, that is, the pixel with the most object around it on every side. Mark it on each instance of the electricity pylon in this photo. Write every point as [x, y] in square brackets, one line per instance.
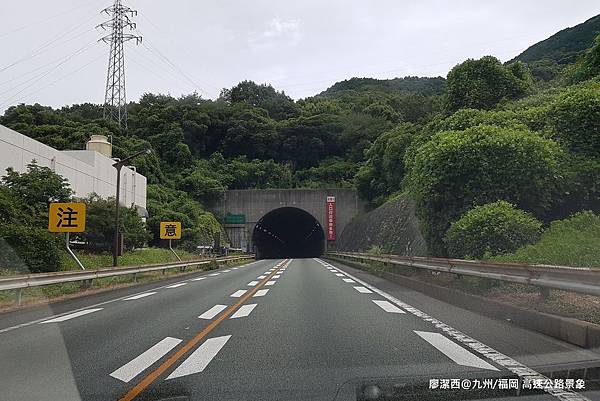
[115, 103]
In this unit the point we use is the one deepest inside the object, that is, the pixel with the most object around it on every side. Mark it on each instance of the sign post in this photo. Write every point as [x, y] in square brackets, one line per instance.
[67, 218]
[331, 218]
[171, 230]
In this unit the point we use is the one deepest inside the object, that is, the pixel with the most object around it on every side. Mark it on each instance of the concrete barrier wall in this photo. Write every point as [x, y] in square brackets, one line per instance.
[87, 171]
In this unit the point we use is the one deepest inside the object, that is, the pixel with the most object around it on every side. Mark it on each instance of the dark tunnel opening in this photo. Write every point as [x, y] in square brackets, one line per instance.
[288, 232]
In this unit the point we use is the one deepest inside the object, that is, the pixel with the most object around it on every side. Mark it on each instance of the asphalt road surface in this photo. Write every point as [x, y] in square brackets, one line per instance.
[301, 329]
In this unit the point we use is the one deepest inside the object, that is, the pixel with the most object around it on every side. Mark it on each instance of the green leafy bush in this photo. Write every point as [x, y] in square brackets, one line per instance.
[490, 230]
[457, 170]
[575, 117]
[29, 249]
[481, 84]
[570, 242]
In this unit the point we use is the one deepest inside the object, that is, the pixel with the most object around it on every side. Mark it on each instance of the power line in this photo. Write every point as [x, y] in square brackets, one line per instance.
[41, 21]
[69, 75]
[147, 62]
[46, 73]
[174, 67]
[46, 45]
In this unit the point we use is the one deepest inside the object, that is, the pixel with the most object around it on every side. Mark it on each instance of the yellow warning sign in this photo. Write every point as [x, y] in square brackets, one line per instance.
[170, 230]
[66, 218]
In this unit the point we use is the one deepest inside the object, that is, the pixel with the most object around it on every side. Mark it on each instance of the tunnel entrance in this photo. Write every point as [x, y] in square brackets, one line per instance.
[288, 232]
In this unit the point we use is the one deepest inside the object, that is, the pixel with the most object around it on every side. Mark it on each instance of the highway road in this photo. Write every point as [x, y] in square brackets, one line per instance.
[288, 329]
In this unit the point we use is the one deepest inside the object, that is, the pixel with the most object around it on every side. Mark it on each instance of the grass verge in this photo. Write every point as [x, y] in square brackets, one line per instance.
[57, 292]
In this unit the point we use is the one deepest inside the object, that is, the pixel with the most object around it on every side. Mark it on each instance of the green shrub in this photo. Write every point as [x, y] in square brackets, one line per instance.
[570, 242]
[457, 170]
[490, 230]
[575, 117]
[481, 84]
[28, 249]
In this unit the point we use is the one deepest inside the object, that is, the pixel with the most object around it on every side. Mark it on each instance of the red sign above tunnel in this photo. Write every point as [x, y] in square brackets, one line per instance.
[331, 218]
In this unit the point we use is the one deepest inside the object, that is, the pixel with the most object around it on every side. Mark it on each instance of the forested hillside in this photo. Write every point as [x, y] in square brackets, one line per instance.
[523, 133]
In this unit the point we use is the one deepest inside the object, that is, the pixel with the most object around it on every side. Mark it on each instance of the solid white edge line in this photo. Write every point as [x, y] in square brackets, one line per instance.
[512, 365]
[147, 358]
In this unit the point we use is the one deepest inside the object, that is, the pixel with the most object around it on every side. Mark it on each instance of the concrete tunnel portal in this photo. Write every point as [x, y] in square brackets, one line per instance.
[288, 232]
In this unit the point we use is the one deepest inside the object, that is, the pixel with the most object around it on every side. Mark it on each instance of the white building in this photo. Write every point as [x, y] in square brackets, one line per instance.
[88, 171]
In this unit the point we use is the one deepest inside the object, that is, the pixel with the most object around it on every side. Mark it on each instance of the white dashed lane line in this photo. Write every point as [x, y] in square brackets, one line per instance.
[214, 274]
[453, 351]
[212, 312]
[271, 282]
[198, 279]
[277, 276]
[252, 283]
[137, 365]
[176, 285]
[487, 352]
[200, 358]
[138, 296]
[261, 277]
[348, 280]
[260, 293]
[388, 306]
[238, 293]
[340, 274]
[72, 315]
[363, 290]
[244, 311]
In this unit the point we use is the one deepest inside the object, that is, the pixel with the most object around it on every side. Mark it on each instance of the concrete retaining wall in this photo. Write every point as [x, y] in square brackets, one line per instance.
[393, 226]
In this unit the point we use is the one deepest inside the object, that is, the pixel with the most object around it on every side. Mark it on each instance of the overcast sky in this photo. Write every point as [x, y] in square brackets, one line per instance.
[50, 54]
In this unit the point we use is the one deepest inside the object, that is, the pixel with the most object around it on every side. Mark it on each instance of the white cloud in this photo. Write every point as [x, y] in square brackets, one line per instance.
[279, 33]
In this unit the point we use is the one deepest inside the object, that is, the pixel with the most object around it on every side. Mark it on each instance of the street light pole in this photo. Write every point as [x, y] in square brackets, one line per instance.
[117, 198]
[118, 165]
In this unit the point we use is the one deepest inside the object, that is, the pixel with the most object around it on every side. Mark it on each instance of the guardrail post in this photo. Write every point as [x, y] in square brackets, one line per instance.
[135, 277]
[18, 296]
[544, 293]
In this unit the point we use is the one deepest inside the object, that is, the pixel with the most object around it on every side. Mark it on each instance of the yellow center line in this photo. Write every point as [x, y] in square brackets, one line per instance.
[155, 374]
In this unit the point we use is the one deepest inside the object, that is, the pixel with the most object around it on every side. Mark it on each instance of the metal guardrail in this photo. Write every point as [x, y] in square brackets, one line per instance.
[40, 279]
[583, 280]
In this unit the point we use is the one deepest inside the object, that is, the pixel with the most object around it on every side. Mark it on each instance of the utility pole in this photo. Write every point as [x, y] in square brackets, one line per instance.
[115, 103]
